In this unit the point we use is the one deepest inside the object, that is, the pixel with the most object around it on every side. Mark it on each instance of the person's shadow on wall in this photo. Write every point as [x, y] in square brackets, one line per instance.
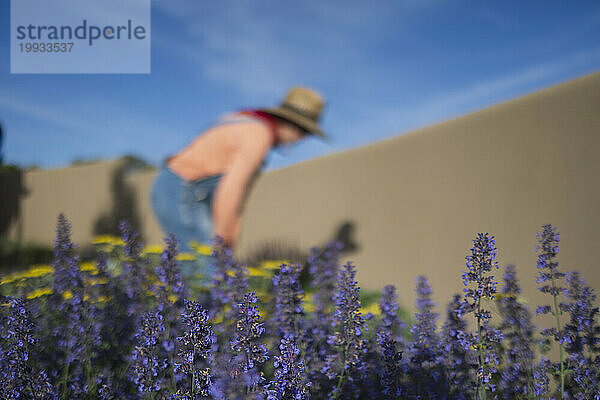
[281, 251]
[11, 182]
[123, 204]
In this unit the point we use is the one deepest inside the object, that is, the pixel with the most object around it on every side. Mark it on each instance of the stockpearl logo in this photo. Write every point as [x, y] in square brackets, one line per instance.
[79, 36]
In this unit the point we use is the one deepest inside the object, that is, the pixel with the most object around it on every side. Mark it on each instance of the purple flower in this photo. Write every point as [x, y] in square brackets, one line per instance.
[548, 272]
[322, 267]
[171, 285]
[133, 267]
[147, 364]
[289, 381]
[167, 270]
[390, 342]
[480, 262]
[76, 330]
[390, 321]
[391, 371]
[424, 351]
[347, 364]
[19, 379]
[583, 331]
[107, 387]
[288, 318]
[457, 358]
[541, 382]
[248, 351]
[196, 345]
[230, 281]
[518, 331]
[67, 276]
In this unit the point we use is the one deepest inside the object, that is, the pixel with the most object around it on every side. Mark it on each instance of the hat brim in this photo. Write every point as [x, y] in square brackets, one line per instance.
[304, 122]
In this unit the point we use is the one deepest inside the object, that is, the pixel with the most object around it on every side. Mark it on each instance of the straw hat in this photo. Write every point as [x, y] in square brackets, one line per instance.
[303, 107]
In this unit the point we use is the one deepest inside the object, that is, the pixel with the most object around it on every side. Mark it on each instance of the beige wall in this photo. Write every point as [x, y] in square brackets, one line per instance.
[415, 201]
[82, 193]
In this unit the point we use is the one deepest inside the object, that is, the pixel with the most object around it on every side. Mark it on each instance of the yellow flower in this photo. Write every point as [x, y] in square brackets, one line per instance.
[152, 280]
[88, 266]
[519, 299]
[34, 272]
[102, 299]
[38, 293]
[173, 298]
[38, 270]
[108, 239]
[274, 264]
[100, 281]
[7, 279]
[67, 295]
[309, 307]
[154, 249]
[230, 272]
[372, 308]
[258, 272]
[522, 300]
[201, 248]
[185, 257]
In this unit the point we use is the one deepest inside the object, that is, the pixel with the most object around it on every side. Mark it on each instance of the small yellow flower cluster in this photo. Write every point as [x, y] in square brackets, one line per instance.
[153, 249]
[89, 267]
[108, 240]
[201, 248]
[372, 308]
[39, 292]
[273, 264]
[34, 272]
[185, 257]
[519, 299]
[309, 307]
[252, 271]
[100, 281]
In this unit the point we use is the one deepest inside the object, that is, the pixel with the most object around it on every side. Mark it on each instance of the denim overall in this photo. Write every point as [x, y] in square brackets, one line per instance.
[184, 208]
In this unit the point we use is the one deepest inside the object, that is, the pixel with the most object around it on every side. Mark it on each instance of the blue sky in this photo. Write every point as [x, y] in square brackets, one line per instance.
[385, 68]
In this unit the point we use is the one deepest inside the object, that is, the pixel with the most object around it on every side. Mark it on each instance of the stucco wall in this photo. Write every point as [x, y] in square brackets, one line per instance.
[417, 200]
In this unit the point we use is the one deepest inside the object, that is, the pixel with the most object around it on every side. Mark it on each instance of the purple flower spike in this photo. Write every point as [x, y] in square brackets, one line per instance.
[480, 262]
[347, 364]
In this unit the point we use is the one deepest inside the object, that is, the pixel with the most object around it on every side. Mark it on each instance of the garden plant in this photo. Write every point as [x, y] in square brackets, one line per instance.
[131, 326]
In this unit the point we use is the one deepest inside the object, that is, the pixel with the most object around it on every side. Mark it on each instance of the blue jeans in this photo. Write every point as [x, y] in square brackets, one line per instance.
[184, 208]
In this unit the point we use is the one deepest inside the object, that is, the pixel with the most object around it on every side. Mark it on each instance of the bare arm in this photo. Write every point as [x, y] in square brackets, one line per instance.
[234, 183]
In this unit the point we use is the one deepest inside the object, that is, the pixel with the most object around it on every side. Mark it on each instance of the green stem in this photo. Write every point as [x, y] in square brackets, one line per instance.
[194, 375]
[479, 344]
[560, 346]
[173, 383]
[341, 378]
[63, 381]
[247, 362]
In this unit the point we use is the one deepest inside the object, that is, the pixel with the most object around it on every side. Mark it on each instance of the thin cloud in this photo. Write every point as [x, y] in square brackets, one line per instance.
[260, 49]
[398, 118]
[38, 112]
